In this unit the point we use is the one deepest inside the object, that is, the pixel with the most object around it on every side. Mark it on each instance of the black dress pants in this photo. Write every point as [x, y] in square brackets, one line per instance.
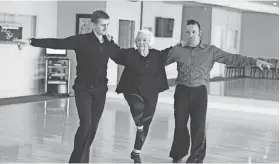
[90, 105]
[142, 110]
[189, 101]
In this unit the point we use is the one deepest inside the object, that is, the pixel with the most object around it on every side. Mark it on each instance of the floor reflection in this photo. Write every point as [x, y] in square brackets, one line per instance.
[262, 89]
[44, 132]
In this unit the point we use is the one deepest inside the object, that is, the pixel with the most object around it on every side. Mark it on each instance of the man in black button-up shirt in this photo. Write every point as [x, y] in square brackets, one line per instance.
[92, 53]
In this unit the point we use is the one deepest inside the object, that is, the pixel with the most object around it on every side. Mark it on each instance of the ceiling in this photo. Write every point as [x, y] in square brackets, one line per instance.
[271, 7]
[271, 3]
[193, 3]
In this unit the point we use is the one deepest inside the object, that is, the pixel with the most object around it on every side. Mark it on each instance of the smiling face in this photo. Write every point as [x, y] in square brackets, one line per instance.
[142, 41]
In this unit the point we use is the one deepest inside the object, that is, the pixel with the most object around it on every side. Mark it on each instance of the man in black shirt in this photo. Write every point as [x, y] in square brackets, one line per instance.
[92, 53]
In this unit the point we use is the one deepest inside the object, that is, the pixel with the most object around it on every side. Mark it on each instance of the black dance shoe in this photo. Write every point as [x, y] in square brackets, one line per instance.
[135, 157]
[176, 160]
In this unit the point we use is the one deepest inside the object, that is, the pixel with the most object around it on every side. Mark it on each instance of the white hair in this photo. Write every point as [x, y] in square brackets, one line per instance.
[146, 32]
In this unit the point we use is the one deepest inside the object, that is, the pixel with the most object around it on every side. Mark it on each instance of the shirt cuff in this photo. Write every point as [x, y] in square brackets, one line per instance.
[31, 40]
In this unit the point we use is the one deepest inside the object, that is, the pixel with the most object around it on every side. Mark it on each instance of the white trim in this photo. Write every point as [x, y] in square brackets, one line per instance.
[9, 27]
[243, 5]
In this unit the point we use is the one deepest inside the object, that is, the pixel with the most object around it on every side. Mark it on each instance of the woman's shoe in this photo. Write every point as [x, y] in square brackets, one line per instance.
[176, 160]
[135, 157]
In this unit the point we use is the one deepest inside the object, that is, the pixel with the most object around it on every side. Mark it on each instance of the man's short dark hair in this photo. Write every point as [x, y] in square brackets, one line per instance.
[193, 22]
[98, 14]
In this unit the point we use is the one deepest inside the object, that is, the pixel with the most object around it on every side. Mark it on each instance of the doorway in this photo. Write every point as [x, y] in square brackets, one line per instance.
[126, 39]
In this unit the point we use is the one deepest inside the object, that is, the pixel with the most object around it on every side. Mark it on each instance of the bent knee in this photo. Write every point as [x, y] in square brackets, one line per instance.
[137, 106]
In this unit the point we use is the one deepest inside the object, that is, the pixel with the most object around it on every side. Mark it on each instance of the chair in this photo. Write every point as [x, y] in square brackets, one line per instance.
[255, 69]
[277, 70]
[230, 70]
[273, 69]
[240, 71]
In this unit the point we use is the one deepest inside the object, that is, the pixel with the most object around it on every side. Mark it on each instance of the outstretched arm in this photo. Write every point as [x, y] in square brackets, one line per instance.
[54, 43]
[118, 55]
[223, 57]
[169, 55]
[165, 54]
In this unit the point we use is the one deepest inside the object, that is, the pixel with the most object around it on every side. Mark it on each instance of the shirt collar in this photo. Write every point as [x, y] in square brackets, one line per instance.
[201, 45]
[95, 37]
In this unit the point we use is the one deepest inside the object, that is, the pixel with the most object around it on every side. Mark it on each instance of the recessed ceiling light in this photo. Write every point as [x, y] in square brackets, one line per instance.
[274, 3]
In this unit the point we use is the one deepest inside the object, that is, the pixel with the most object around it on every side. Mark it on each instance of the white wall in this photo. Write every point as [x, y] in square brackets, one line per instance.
[22, 71]
[260, 35]
[244, 5]
[120, 10]
[151, 10]
[66, 23]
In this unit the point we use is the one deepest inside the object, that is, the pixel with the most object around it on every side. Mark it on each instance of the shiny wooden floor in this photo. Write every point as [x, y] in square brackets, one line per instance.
[253, 88]
[44, 132]
[263, 89]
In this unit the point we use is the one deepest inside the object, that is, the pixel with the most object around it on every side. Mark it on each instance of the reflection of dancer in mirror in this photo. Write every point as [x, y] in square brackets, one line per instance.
[92, 53]
[194, 62]
[143, 78]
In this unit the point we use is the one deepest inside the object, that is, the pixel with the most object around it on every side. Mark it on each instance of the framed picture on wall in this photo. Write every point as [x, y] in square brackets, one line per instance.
[164, 27]
[83, 23]
[8, 33]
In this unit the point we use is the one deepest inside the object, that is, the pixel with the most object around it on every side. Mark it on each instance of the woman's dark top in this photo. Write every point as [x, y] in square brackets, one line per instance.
[142, 75]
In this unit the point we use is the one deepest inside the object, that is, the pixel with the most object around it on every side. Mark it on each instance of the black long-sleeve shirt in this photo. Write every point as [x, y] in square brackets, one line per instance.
[142, 75]
[92, 56]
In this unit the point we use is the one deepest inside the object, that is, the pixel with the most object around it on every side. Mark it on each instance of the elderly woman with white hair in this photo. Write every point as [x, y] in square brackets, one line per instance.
[143, 78]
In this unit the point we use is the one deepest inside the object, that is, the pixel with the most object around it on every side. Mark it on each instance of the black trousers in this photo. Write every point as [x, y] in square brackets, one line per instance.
[189, 101]
[90, 105]
[142, 110]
